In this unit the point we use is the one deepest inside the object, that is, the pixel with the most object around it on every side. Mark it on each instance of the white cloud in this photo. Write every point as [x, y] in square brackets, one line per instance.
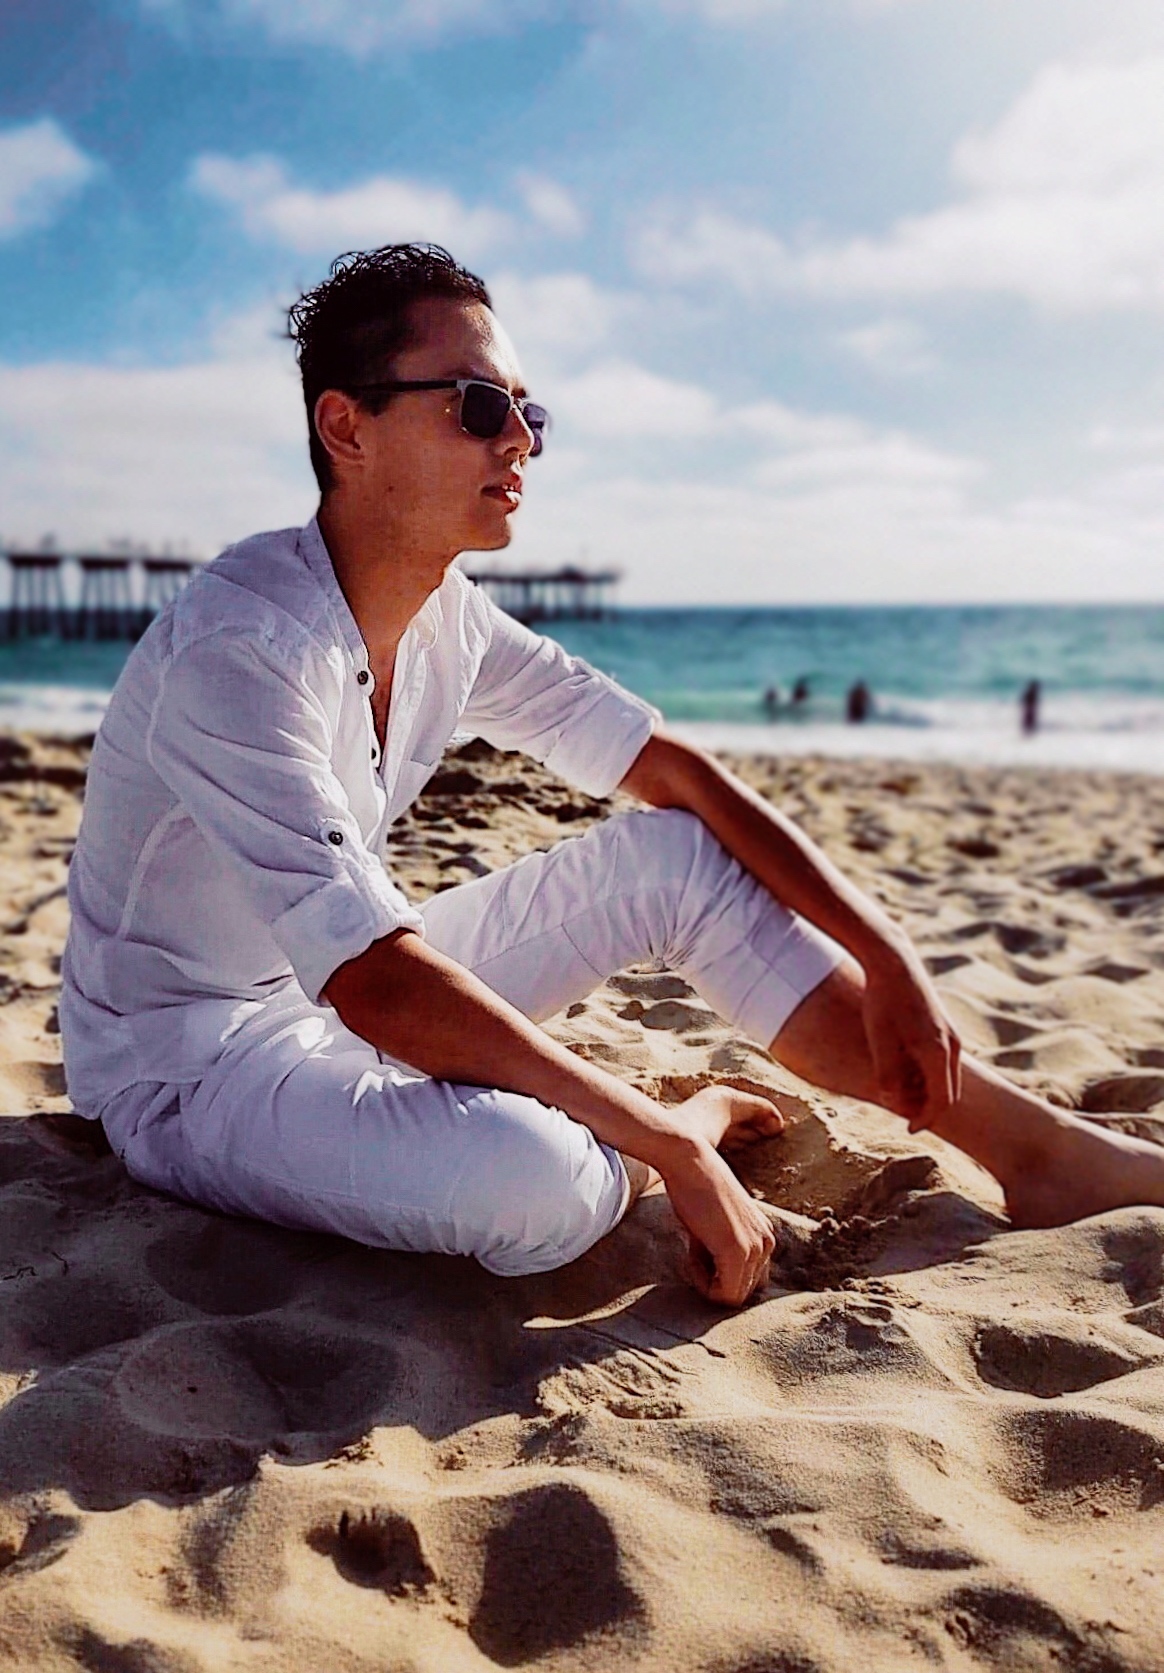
[618, 401]
[893, 347]
[40, 170]
[380, 210]
[882, 465]
[1062, 204]
[698, 500]
[555, 317]
[551, 205]
[713, 502]
[759, 11]
[359, 27]
[1127, 439]
[844, 531]
[203, 452]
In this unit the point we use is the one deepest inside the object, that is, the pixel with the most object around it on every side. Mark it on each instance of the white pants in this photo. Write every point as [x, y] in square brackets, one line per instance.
[302, 1122]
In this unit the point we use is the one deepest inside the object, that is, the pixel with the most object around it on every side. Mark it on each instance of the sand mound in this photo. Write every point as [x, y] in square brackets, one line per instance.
[932, 1442]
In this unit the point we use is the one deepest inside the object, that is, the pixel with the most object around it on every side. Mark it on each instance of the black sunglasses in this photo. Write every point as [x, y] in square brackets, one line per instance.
[485, 407]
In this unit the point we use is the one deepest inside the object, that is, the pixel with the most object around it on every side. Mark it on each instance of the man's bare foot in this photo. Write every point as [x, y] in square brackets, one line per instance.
[1080, 1169]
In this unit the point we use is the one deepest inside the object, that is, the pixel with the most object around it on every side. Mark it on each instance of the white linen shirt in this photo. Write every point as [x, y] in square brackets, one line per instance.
[237, 807]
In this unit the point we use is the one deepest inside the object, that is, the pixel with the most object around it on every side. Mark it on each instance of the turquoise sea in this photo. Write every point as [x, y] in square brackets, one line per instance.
[945, 681]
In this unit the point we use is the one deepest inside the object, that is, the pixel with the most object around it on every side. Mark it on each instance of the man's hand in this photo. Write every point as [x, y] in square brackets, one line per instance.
[729, 1237]
[727, 1118]
[916, 1053]
[425, 1009]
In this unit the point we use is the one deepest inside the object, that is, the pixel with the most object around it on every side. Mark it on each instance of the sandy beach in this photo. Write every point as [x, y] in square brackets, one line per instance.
[932, 1442]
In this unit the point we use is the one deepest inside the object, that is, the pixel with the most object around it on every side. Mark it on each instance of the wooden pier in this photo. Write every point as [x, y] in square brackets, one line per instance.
[89, 595]
[550, 595]
[113, 596]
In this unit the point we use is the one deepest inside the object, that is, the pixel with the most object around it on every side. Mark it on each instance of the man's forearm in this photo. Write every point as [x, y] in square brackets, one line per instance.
[425, 1009]
[416, 1005]
[789, 865]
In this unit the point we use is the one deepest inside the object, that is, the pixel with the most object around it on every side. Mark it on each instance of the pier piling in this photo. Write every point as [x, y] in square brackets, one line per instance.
[549, 595]
[87, 596]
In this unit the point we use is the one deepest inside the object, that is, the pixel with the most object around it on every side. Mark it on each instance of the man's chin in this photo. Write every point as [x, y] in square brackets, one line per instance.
[493, 539]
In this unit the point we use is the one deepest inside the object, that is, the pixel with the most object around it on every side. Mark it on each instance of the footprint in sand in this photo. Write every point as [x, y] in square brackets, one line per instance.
[1076, 876]
[1135, 1254]
[851, 1341]
[499, 1561]
[1127, 897]
[1010, 1031]
[1017, 939]
[1020, 1059]
[1033, 1358]
[1064, 1463]
[65, 1316]
[33, 1539]
[234, 1266]
[944, 964]
[378, 1548]
[915, 1550]
[256, 1380]
[1006, 1626]
[137, 1655]
[1032, 977]
[1149, 1317]
[1122, 1094]
[552, 1542]
[1110, 970]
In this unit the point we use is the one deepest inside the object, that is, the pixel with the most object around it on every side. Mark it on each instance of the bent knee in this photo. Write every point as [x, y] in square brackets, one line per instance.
[672, 839]
[540, 1190]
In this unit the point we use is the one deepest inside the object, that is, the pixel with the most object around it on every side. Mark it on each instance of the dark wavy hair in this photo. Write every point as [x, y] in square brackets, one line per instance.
[349, 329]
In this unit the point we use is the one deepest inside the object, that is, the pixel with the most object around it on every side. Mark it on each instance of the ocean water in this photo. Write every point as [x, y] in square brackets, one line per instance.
[945, 681]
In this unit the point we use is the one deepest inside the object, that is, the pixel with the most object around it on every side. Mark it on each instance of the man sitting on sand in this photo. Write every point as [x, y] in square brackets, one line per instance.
[266, 1025]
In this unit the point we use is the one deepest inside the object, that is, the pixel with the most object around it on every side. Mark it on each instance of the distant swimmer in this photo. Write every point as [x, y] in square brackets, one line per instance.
[771, 701]
[1029, 707]
[800, 693]
[859, 703]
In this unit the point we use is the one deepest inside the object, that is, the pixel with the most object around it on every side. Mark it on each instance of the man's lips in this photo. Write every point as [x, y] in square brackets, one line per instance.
[509, 493]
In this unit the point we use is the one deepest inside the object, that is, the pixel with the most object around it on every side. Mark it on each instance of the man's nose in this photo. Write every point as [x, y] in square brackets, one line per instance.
[518, 436]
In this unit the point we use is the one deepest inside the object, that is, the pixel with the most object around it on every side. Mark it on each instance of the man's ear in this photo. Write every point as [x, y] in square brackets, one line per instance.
[337, 423]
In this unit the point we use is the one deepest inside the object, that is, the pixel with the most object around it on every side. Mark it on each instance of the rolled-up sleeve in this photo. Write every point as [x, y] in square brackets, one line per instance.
[531, 695]
[240, 734]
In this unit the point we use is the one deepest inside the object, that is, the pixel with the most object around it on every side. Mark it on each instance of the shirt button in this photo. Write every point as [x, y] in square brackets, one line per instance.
[362, 677]
[336, 837]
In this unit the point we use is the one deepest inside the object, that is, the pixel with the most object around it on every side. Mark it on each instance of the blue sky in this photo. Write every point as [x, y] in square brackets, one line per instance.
[831, 299]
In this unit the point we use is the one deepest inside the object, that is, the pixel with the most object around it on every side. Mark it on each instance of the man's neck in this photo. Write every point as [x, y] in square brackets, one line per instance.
[383, 574]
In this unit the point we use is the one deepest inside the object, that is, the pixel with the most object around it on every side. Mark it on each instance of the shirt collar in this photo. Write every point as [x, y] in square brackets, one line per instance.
[425, 624]
[318, 561]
